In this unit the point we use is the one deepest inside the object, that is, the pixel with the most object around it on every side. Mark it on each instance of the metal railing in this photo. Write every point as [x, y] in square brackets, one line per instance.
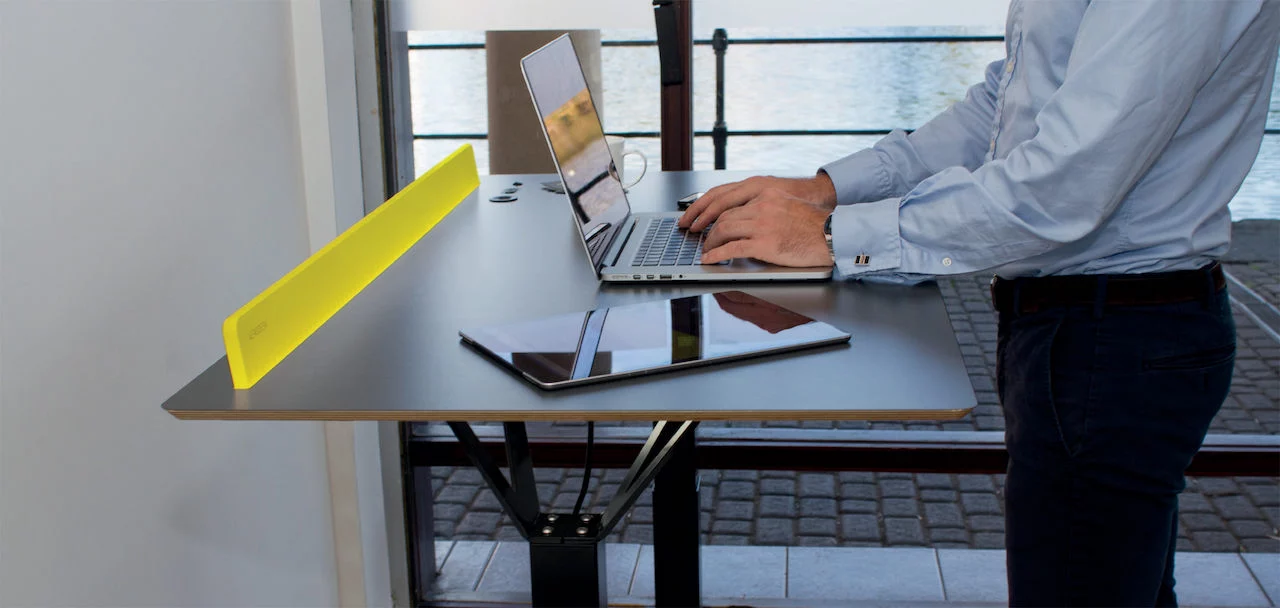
[720, 43]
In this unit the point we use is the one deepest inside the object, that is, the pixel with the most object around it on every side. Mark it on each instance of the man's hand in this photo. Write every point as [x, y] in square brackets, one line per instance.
[817, 190]
[774, 227]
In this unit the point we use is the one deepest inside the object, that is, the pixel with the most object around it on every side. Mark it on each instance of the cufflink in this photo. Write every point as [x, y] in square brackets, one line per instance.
[862, 260]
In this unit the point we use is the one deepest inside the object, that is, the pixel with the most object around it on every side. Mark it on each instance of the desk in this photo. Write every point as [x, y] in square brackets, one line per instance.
[393, 354]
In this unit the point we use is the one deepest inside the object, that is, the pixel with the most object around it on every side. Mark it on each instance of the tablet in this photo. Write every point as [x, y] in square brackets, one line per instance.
[648, 338]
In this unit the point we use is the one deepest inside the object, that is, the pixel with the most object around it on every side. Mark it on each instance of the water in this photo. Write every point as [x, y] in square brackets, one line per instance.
[807, 86]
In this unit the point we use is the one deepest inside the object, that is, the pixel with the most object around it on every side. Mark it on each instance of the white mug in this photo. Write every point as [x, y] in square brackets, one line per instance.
[618, 150]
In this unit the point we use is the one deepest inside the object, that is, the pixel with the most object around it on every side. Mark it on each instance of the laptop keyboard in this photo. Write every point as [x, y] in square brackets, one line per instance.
[665, 244]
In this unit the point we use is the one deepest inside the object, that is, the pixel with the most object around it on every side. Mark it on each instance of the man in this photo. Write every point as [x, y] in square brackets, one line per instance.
[1091, 172]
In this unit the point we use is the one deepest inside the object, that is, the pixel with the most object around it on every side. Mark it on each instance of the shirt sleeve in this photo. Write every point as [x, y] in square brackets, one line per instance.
[959, 136]
[1132, 75]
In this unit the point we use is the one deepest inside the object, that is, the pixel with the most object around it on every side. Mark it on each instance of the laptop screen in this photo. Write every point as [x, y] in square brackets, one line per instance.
[573, 130]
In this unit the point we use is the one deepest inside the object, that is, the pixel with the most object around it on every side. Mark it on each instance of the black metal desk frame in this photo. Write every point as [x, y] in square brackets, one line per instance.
[566, 552]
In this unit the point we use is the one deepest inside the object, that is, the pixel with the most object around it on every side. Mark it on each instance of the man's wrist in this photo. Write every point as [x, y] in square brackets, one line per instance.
[824, 190]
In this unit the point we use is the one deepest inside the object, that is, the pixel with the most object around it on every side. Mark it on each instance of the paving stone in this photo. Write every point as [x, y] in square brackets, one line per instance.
[486, 501]
[508, 533]
[1251, 529]
[818, 485]
[774, 531]
[988, 540]
[740, 475]
[1264, 495]
[735, 509]
[860, 527]
[932, 495]
[457, 494]
[448, 512]
[1236, 507]
[954, 535]
[1197, 522]
[1215, 541]
[778, 474]
[642, 515]
[782, 487]
[707, 499]
[943, 515]
[817, 526]
[637, 533]
[980, 504]
[817, 507]
[903, 531]
[1194, 503]
[479, 523]
[818, 541]
[975, 483]
[1217, 486]
[737, 490]
[1261, 545]
[986, 523]
[897, 488]
[929, 481]
[859, 491]
[546, 491]
[777, 506]
[730, 540]
[900, 507]
[547, 475]
[895, 475]
[466, 475]
[724, 526]
[858, 506]
[1185, 545]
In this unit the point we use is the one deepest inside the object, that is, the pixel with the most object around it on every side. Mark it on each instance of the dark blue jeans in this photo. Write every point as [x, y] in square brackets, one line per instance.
[1104, 409]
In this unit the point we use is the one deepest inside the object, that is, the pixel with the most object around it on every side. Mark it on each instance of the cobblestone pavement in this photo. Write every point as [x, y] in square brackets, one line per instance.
[944, 511]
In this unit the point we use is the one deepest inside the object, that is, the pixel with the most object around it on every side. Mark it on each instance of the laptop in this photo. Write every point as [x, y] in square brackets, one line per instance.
[623, 246]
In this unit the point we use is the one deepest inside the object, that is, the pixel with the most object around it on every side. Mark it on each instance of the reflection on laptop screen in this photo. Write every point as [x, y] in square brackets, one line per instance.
[573, 129]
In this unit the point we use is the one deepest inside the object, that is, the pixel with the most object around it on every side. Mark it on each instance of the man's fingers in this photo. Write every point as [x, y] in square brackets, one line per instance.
[742, 248]
[700, 205]
[728, 230]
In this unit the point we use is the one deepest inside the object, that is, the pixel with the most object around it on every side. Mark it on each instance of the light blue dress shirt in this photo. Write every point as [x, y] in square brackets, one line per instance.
[1108, 141]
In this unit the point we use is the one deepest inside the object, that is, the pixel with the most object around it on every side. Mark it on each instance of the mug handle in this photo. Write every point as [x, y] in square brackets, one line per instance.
[643, 167]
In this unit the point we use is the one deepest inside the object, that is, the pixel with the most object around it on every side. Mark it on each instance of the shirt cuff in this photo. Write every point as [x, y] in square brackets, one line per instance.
[859, 177]
[865, 237]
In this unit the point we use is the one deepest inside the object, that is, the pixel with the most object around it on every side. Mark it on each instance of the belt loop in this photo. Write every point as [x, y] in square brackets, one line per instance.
[1211, 288]
[1100, 297]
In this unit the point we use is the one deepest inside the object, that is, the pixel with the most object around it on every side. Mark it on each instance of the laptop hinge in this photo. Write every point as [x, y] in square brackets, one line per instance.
[618, 244]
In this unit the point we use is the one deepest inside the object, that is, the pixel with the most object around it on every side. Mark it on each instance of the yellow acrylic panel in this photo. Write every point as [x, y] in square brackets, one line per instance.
[264, 331]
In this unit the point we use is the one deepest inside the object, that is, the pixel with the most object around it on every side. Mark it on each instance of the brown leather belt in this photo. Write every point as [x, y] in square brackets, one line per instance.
[1033, 294]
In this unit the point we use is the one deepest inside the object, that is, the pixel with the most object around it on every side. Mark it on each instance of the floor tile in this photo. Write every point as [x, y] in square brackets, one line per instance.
[642, 582]
[1266, 568]
[466, 563]
[973, 575]
[508, 570]
[727, 572]
[744, 572]
[442, 552]
[894, 574]
[620, 561]
[1215, 579]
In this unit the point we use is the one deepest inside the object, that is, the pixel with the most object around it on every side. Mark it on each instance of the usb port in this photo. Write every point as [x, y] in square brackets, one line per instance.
[635, 276]
[649, 277]
[664, 276]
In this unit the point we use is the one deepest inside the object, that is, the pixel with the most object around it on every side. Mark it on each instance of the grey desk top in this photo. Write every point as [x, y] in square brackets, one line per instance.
[393, 352]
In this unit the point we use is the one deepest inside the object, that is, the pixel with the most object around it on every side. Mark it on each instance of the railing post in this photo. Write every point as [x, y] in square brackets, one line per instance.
[720, 132]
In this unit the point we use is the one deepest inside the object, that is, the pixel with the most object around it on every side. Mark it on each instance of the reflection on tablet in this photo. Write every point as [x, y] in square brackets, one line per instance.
[638, 339]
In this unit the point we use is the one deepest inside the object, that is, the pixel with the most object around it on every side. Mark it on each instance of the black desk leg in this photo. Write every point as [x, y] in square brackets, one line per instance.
[676, 534]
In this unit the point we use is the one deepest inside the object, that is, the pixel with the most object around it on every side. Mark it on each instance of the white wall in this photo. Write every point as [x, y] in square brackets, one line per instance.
[151, 181]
